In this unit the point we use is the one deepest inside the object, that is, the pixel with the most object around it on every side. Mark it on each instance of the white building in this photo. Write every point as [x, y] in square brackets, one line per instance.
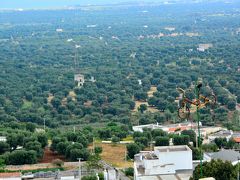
[203, 47]
[224, 155]
[3, 138]
[168, 128]
[224, 133]
[165, 160]
[59, 30]
[79, 78]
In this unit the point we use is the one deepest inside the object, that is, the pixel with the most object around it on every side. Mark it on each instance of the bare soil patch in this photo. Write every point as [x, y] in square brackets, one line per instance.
[49, 156]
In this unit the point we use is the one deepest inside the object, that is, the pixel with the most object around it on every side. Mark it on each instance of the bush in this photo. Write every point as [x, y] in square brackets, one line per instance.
[98, 150]
[92, 177]
[132, 149]
[162, 141]
[101, 176]
[58, 162]
[142, 140]
[20, 157]
[115, 139]
[181, 140]
[79, 153]
[129, 171]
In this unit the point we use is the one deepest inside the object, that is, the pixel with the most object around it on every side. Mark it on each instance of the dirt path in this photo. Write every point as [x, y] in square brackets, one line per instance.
[49, 156]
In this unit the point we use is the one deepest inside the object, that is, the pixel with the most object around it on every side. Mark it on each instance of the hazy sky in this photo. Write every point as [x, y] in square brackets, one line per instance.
[54, 3]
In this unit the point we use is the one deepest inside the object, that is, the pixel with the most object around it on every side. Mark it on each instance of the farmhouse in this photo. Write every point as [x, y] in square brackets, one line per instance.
[79, 78]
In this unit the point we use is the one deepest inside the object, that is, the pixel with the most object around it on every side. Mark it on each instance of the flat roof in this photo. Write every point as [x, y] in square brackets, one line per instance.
[171, 148]
[183, 176]
[222, 133]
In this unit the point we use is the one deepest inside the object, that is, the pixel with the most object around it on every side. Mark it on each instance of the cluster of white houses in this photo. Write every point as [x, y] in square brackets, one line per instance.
[208, 133]
[175, 162]
[167, 128]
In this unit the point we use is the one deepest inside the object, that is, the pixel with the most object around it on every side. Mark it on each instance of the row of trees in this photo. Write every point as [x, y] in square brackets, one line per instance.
[158, 137]
[22, 146]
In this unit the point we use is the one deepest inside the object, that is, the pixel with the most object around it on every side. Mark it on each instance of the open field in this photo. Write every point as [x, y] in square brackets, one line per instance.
[115, 155]
[138, 104]
[152, 90]
[150, 94]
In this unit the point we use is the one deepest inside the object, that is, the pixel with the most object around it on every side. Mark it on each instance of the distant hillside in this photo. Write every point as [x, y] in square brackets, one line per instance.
[46, 4]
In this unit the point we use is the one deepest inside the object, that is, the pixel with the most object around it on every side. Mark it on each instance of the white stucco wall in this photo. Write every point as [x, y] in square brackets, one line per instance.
[181, 159]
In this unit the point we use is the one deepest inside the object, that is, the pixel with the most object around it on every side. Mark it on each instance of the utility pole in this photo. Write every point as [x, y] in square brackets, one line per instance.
[79, 168]
[93, 145]
[126, 154]
[197, 92]
[74, 129]
[238, 168]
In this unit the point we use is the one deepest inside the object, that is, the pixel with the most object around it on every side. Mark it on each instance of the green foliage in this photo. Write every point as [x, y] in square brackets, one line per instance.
[98, 150]
[142, 141]
[158, 132]
[196, 153]
[20, 157]
[216, 168]
[129, 171]
[2, 164]
[132, 149]
[93, 162]
[212, 147]
[62, 147]
[220, 142]
[181, 140]
[30, 127]
[115, 139]
[42, 86]
[4, 147]
[79, 153]
[43, 139]
[91, 177]
[58, 162]
[36, 146]
[161, 141]
[142, 108]
[101, 176]
[191, 134]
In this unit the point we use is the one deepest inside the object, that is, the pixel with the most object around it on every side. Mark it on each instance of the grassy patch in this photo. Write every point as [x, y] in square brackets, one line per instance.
[115, 155]
[33, 171]
[27, 105]
[128, 138]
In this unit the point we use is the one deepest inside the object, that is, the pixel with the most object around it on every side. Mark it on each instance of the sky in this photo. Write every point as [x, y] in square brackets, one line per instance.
[25, 4]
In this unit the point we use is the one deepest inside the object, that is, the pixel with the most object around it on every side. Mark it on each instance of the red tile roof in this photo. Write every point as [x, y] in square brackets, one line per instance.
[237, 139]
[177, 128]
